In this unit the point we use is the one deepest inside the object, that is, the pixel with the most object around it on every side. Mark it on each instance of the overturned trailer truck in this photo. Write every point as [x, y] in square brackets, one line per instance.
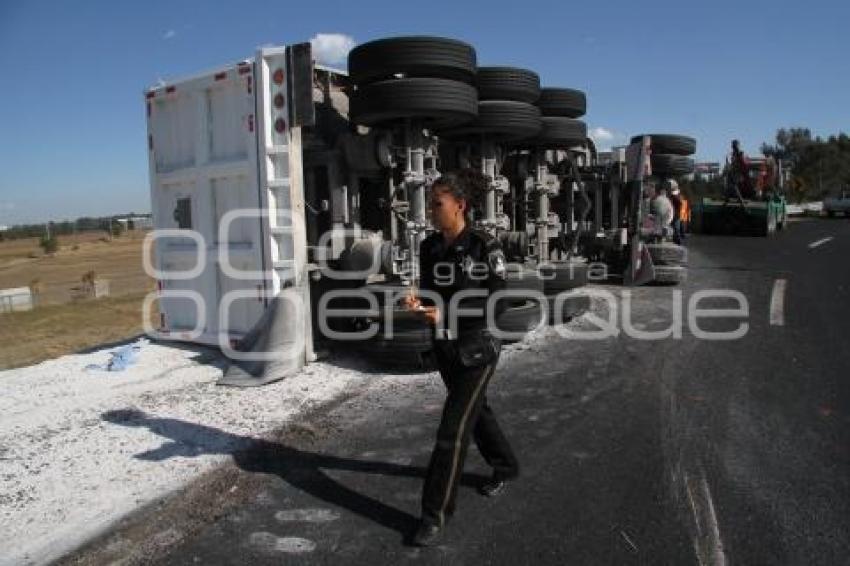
[620, 229]
[282, 189]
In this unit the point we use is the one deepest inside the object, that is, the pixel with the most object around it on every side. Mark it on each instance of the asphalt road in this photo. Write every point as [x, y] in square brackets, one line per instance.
[668, 451]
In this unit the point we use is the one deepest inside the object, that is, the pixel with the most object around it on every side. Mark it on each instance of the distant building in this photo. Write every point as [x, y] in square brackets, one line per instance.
[136, 222]
[16, 299]
[3, 228]
[617, 154]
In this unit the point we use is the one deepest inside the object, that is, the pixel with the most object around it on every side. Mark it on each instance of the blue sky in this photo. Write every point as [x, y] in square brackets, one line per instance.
[72, 131]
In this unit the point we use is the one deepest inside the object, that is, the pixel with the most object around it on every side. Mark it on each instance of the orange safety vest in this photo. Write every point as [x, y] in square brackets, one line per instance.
[685, 211]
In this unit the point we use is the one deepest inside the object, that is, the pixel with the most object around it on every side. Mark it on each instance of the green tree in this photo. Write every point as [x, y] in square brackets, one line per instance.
[50, 244]
[818, 166]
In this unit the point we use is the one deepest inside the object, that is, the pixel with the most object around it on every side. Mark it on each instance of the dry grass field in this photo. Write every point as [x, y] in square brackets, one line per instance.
[46, 332]
[59, 325]
[118, 260]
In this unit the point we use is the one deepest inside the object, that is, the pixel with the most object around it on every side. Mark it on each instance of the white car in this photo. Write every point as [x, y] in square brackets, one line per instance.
[841, 204]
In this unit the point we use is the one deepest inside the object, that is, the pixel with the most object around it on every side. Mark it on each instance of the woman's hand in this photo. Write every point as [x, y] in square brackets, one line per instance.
[411, 302]
[414, 303]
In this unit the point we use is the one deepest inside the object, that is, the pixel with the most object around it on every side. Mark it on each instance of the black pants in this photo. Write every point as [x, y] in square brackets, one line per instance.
[465, 413]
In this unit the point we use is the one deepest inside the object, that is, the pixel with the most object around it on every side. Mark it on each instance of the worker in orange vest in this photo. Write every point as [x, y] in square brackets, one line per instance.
[678, 202]
[684, 218]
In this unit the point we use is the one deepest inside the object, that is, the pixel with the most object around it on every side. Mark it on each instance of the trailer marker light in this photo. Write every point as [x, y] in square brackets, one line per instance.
[277, 77]
[278, 100]
[280, 125]
[244, 68]
[220, 76]
[170, 89]
[150, 94]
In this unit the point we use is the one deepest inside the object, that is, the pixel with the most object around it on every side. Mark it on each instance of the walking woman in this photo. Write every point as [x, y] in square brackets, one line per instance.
[453, 259]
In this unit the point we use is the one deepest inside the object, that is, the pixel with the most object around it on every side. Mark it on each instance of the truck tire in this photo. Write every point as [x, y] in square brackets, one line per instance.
[669, 165]
[564, 102]
[385, 291]
[408, 339]
[500, 120]
[508, 83]
[572, 307]
[560, 132]
[522, 318]
[670, 274]
[408, 349]
[411, 334]
[414, 56]
[670, 143]
[668, 253]
[440, 103]
[522, 278]
[563, 276]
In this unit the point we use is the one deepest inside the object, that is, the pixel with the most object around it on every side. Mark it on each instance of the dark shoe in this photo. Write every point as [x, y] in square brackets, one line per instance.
[493, 487]
[428, 534]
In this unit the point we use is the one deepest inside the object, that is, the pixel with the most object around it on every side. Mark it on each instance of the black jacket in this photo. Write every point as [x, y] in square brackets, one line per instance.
[473, 261]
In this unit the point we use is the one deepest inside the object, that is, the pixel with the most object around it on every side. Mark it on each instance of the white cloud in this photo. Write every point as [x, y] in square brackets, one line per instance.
[170, 34]
[602, 134]
[331, 48]
[605, 138]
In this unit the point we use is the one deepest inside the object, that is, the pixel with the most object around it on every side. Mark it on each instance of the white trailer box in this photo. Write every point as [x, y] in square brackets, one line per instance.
[227, 196]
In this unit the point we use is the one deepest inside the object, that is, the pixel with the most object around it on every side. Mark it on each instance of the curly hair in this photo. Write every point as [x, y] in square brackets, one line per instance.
[464, 184]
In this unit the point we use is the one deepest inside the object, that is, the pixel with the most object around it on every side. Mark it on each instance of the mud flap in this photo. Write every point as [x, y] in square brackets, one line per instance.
[276, 345]
[640, 269]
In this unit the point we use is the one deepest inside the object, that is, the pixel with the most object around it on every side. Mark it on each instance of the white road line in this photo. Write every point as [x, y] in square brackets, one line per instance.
[708, 543]
[819, 242]
[777, 303]
[718, 557]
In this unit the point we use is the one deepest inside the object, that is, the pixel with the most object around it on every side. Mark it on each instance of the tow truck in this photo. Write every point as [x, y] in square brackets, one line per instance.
[759, 211]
